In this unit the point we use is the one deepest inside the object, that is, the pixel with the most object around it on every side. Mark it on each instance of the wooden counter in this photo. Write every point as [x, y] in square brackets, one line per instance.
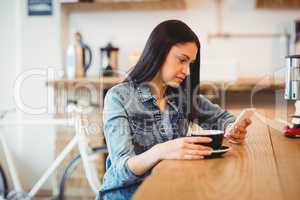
[265, 167]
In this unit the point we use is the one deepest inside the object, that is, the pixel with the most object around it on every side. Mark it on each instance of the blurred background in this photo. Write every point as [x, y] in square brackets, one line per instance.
[244, 44]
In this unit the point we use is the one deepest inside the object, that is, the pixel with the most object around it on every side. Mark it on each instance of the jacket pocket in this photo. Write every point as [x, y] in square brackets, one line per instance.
[141, 124]
[143, 132]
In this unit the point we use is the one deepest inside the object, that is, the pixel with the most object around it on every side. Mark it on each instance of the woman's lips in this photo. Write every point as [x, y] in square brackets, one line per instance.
[180, 78]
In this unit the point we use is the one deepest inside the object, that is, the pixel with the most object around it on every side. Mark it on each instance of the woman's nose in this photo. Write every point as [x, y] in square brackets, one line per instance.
[186, 70]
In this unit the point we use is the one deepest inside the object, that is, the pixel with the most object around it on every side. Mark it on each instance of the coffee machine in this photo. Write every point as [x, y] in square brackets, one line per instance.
[109, 60]
[292, 92]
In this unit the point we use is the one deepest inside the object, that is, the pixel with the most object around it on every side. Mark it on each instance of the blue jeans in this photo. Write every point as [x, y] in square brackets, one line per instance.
[125, 193]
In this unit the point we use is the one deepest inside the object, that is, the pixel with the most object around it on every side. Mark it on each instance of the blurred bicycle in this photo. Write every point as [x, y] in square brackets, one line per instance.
[86, 157]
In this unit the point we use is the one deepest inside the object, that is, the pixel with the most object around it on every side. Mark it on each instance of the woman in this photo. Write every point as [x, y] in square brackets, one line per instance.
[146, 117]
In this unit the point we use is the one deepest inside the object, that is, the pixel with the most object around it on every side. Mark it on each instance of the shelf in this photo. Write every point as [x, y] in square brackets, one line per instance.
[241, 85]
[278, 4]
[103, 82]
[238, 85]
[124, 5]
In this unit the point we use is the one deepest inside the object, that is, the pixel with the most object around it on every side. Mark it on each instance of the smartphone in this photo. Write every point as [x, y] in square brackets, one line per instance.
[246, 113]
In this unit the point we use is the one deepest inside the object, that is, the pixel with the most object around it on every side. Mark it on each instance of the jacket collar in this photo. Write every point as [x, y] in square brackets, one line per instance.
[145, 95]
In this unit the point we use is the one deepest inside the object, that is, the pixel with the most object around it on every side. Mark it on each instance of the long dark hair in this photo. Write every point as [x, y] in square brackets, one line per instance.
[164, 36]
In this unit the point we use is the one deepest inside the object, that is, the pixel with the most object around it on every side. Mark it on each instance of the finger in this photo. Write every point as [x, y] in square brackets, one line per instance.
[236, 141]
[243, 132]
[242, 123]
[238, 135]
[237, 138]
[198, 139]
[197, 147]
[241, 128]
[240, 141]
[248, 121]
[192, 157]
[198, 152]
[232, 141]
[234, 136]
[242, 136]
[236, 129]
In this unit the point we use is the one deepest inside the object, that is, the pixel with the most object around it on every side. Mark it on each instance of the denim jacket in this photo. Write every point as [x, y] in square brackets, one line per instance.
[132, 124]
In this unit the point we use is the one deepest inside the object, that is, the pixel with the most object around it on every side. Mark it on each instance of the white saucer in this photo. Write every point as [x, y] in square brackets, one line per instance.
[222, 149]
[219, 152]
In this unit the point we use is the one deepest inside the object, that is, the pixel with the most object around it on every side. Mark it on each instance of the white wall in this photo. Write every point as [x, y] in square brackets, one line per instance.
[28, 43]
[249, 57]
[7, 51]
[40, 50]
[9, 65]
[34, 42]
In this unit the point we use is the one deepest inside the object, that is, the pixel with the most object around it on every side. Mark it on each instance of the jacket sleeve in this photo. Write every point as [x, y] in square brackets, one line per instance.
[118, 137]
[211, 116]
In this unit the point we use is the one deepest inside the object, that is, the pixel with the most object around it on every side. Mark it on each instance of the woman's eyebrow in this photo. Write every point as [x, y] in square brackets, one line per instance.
[188, 57]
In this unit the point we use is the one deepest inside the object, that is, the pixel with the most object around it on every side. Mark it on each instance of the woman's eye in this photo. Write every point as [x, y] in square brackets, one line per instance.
[182, 60]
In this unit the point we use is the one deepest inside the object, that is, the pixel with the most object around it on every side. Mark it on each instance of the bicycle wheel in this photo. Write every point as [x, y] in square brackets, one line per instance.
[3, 183]
[73, 164]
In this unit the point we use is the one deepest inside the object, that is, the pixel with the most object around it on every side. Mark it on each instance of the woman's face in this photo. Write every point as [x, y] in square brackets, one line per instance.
[176, 66]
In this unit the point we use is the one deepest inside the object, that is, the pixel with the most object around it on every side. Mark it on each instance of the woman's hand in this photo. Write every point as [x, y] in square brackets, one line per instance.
[180, 148]
[184, 148]
[239, 132]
